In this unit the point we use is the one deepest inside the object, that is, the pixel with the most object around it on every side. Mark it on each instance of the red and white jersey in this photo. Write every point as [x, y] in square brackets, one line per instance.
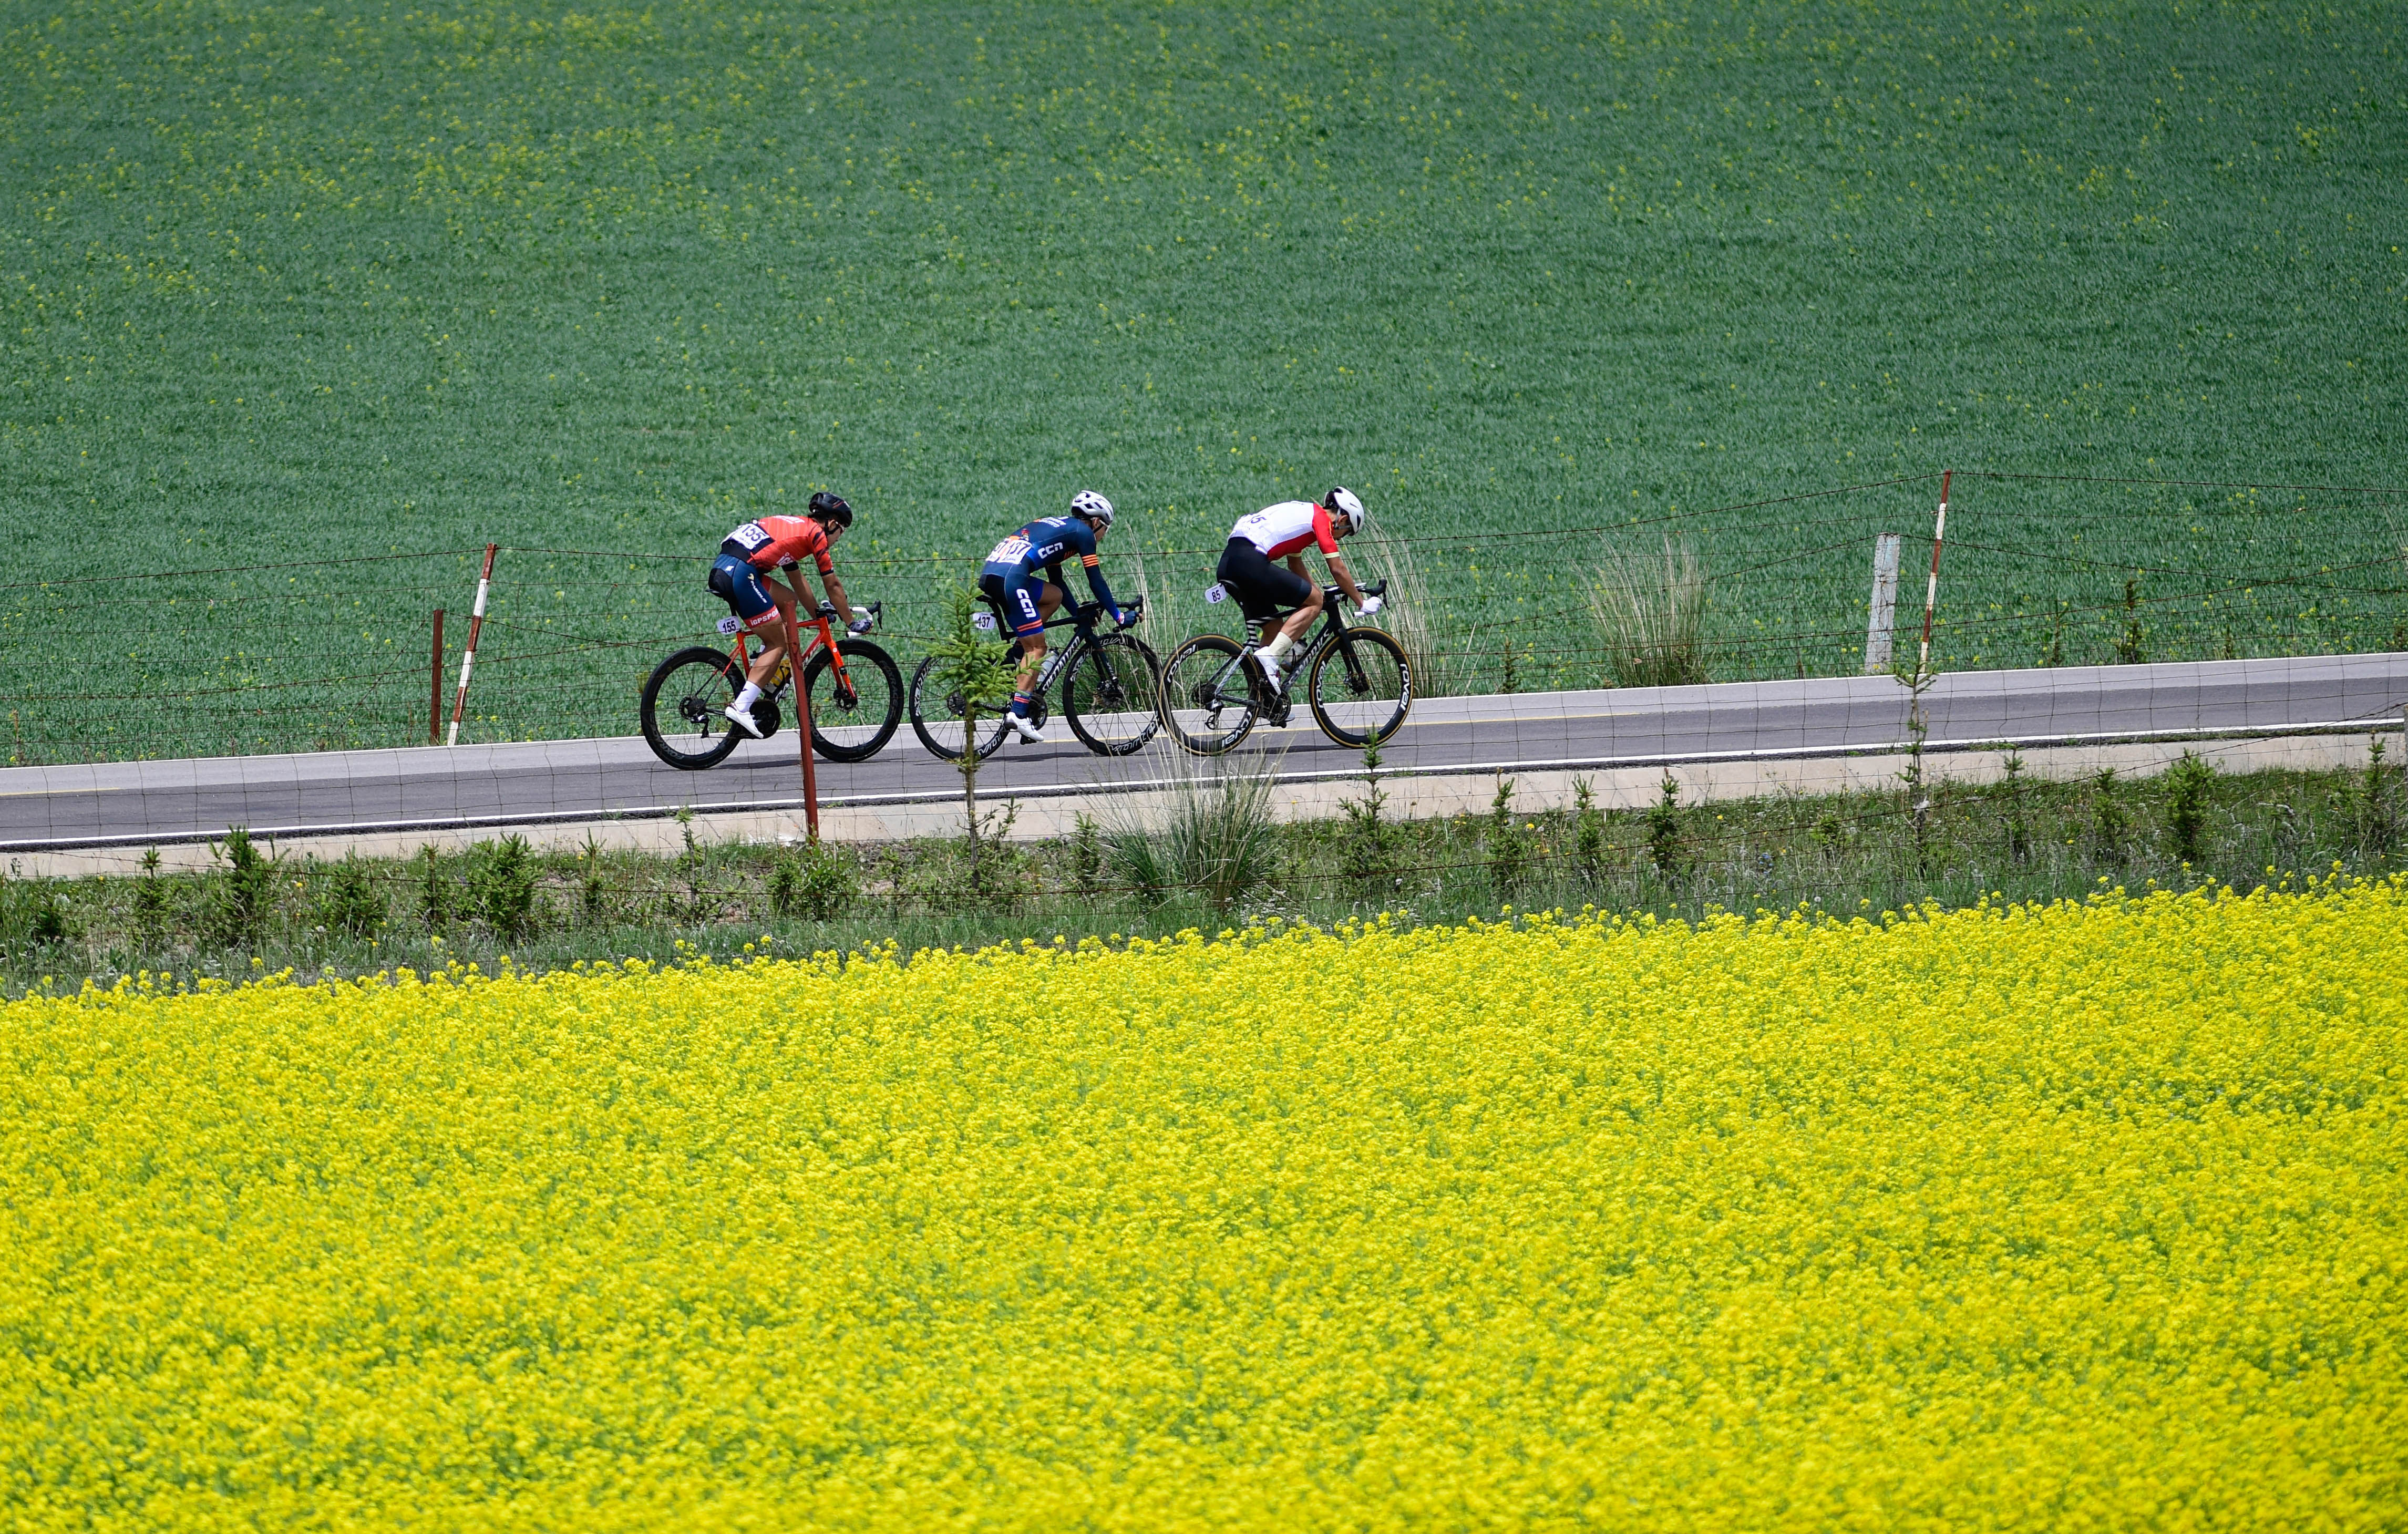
[1281, 530]
[776, 543]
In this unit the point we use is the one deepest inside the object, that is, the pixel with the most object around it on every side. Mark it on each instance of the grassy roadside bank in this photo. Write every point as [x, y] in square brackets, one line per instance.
[1223, 864]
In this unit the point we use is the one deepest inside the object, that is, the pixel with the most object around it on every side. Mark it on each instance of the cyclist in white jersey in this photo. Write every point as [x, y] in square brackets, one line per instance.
[1264, 589]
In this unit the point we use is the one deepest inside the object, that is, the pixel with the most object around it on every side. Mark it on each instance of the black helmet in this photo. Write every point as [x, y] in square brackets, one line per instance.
[831, 508]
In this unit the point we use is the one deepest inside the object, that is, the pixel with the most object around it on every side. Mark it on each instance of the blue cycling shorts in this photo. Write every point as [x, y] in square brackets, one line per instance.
[1017, 592]
[739, 581]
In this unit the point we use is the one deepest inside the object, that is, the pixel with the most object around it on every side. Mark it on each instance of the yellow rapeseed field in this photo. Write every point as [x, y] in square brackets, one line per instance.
[2082, 1218]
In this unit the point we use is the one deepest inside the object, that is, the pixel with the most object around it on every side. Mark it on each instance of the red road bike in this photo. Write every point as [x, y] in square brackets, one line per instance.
[855, 692]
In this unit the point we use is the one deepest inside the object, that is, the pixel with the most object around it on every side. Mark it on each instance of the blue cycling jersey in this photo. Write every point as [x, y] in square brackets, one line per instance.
[1043, 545]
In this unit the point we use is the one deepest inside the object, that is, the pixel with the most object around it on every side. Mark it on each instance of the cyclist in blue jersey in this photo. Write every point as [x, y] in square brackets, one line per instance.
[1023, 577]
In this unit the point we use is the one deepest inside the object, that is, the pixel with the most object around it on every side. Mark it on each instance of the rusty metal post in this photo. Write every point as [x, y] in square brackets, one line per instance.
[435, 691]
[803, 728]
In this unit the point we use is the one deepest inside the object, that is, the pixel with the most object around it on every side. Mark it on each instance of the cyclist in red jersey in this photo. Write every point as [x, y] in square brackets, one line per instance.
[749, 557]
[1263, 589]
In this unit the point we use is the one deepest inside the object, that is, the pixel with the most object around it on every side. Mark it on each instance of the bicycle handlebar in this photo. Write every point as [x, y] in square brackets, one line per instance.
[870, 611]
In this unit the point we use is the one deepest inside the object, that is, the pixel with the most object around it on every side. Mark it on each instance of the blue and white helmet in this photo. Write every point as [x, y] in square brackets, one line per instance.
[1093, 507]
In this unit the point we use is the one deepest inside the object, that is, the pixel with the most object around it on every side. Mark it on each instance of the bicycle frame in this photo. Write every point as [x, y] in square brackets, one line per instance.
[1333, 628]
[821, 637]
[1072, 616]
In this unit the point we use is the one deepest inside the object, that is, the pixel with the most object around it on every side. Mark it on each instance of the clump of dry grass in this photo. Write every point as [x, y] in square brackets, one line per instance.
[1651, 616]
[1440, 668]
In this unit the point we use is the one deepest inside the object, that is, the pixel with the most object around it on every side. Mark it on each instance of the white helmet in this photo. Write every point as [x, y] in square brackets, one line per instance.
[1346, 504]
[1093, 507]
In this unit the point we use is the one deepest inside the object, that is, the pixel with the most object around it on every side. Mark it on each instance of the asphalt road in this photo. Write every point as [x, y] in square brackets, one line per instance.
[117, 803]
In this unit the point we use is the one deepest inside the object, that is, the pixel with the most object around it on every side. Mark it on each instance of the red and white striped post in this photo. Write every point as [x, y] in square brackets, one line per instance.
[468, 657]
[1931, 587]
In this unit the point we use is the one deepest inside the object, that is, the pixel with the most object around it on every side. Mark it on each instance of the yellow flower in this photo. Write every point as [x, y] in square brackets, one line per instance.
[2083, 1214]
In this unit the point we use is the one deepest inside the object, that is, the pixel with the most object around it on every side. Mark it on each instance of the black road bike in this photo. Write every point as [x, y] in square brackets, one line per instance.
[856, 689]
[1356, 680]
[1109, 680]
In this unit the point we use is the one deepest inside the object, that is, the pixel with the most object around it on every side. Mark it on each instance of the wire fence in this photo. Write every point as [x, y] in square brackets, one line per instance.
[2212, 822]
[2035, 570]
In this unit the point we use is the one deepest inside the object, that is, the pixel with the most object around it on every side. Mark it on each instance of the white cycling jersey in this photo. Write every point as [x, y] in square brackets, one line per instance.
[1281, 530]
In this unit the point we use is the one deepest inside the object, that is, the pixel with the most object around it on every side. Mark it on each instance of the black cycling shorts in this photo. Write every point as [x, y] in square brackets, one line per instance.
[1263, 589]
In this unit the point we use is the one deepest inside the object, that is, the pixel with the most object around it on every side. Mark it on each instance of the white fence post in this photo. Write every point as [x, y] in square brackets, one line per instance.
[1883, 623]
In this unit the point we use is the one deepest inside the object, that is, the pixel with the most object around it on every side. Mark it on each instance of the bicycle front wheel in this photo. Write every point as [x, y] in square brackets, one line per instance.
[1362, 687]
[682, 708]
[853, 719]
[1109, 695]
[1207, 699]
[937, 717]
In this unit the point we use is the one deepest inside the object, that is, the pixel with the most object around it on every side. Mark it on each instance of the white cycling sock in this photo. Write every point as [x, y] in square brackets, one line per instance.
[1278, 646]
[745, 699]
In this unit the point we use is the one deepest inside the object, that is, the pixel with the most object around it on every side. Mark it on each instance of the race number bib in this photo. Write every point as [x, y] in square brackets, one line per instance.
[983, 622]
[1216, 593]
[730, 626]
[751, 535]
[1011, 551]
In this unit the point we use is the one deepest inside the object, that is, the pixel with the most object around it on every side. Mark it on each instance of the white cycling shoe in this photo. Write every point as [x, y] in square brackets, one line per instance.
[1025, 728]
[742, 719]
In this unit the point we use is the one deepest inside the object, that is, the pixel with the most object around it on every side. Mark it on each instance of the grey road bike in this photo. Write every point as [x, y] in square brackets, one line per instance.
[1356, 680]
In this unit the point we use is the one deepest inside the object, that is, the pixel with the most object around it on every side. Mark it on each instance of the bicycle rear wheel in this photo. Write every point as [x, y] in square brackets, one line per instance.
[681, 707]
[1362, 687]
[854, 723]
[937, 717]
[1208, 700]
[1109, 695]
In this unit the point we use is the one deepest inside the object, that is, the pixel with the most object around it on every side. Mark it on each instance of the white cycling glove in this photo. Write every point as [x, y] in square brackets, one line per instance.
[1370, 607]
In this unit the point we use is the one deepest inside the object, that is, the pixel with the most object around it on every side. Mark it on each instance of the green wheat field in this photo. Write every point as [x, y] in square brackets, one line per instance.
[286, 283]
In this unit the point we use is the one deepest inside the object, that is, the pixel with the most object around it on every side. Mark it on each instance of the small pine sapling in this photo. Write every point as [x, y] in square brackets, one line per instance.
[592, 891]
[699, 903]
[2131, 646]
[44, 920]
[1509, 842]
[502, 888]
[1367, 855]
[1087, 857]
[151, 902]
[1663, 830]
[353, 906]
[2008, 793]
[434, 893]
[246, 892]
[2108, 819]
[2186, 787]
[1588, 831]
[2376, 812]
